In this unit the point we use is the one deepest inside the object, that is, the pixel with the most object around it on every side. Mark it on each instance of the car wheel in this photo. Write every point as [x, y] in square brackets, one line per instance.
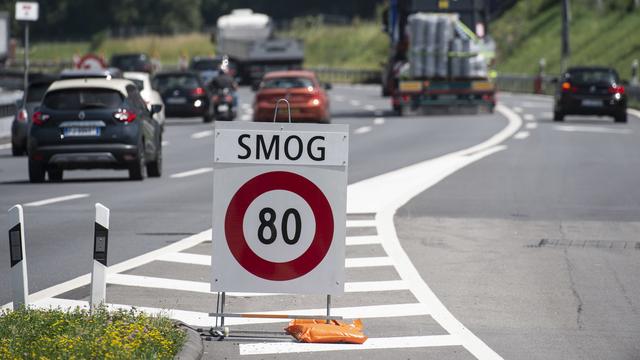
[558, 116]
[208, 116]
[17, 150]
[136, 170]
[620, 118]
[36, 172]
[154, 168]
[55, 175]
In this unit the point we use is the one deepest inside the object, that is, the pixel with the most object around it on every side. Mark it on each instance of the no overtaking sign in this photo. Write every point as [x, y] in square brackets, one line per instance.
[279, 200]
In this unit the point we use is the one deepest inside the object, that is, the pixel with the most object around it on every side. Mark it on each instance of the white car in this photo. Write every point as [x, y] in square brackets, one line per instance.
[150, 96]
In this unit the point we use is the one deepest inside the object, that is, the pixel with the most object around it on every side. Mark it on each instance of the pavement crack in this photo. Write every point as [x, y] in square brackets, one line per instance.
[574, 291]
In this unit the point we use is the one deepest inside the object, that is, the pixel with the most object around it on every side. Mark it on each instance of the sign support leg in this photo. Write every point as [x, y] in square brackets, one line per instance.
[19, 282]
[328, 308]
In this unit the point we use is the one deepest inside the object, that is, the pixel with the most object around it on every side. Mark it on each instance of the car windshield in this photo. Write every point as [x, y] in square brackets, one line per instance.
[287, 83]
[80, 99]
[203, 65]
[162, 83]
[592, 76]
[36, 92]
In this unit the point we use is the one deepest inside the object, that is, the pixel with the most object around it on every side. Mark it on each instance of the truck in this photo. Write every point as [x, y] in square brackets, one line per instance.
[248, 39]
[436, 61]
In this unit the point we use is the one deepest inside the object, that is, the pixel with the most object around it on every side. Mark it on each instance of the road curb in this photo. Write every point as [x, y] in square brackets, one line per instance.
[193, 349]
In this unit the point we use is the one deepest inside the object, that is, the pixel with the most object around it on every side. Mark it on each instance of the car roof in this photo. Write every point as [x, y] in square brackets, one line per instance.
[176, 73]
[138, 75]
[113, 72]
[597, 68]
[129, 55]
[290, 73]
[119, 85]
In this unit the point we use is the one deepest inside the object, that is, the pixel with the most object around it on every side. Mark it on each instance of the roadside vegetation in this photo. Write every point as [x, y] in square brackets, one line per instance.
[599, 36]
[77, 334]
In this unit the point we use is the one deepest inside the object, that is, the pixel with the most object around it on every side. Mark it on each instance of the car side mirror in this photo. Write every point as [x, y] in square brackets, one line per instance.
[156, 108]
[327, 86]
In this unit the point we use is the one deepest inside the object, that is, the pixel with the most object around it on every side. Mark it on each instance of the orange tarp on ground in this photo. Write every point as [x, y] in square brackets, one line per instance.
[318, 331]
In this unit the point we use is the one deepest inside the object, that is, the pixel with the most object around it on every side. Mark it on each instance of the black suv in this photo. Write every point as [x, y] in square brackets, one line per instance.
[590, 91]
[94, 123]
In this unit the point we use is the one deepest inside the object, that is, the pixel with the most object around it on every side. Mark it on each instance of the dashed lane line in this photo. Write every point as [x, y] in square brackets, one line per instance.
[531, 126]
[56, 200]
[369, 107]
[518, 109]
[202, 134]
[521, 135]
[529, 117]
[361, 223]
[165, 143]
[185, 174]
[5, 146]
[362, 130]
[354, 102]
[378, 121]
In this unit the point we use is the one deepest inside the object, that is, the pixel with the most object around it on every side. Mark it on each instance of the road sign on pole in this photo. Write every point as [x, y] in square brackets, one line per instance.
[100, 247]
[279, 212]
[27, 11]
[19, 283]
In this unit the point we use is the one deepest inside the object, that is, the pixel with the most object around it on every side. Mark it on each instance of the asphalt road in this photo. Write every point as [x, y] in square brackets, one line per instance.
[532, 247]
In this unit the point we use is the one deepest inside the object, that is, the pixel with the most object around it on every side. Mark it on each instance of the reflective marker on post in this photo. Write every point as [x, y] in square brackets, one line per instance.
[19, 282]
[100, 246]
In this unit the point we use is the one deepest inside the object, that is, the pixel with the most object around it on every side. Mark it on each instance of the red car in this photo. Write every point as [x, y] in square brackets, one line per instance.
[308, 99]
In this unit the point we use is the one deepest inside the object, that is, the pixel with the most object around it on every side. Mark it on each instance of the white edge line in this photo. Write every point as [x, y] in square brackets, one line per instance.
[202, 134]
[400, 342]
[5, 146]
[191, 173]
[57, 199]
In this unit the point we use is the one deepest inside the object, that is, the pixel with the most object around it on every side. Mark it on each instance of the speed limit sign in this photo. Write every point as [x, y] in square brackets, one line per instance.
[279, 207]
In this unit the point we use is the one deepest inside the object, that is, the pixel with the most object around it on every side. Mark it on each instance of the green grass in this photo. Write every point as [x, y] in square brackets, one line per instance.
[531, 30]
[77, 334]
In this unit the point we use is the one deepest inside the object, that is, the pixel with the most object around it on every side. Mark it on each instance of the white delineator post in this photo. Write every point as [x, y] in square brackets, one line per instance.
[100, 246]
[19, 283]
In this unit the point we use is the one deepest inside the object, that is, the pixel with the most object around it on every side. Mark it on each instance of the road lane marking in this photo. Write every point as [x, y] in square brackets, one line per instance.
[547, 114]
[354, 102]
[529, 117]
[205, 260]
[196, 318]
[521, 135]
[369, 107]
[592, 129]
[56, 200]
[531, 125]
[246, 106]
[202, 134]
[378, 121]
[362, 240]
[191, 173]
[362, 130]
[165, 143]
[151, 282]
[5, 146]
[246, 117]
[518, 109]
[399, 342]
[339, 98]
[361, 223]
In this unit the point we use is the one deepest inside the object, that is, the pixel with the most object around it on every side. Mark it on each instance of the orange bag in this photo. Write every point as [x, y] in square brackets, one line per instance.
[318, 331]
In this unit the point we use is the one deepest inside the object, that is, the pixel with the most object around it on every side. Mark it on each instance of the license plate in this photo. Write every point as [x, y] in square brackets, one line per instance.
[81, 131]
[592, 103]
[223, 108]
[177, 100]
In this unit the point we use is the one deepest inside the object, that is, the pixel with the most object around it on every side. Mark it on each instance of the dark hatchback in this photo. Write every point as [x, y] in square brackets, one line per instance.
[184, 95]
[94, 123]
[590, 91]
[22, 119]
[132, 62]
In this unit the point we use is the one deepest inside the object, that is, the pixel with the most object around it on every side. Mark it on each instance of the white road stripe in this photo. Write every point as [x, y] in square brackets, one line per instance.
[339, 98]
[57, 200]
[518, 109]
[191, 173]
[246, 106]
[400, 342]
[202, 134]
[165, 143]
[204, 287]
[354, 102]
[531, 125]
[246, 117]
[378, 121]
[592, 129]
[521, 135]
[205, 260]
[369, 107]
[362, 240]
[529, 117]
[196, 318]
[361, 223]
[547, 114]
[5, 146]
[362, 130]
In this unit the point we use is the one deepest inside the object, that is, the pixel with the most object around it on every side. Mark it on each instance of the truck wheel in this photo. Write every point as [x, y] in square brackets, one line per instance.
[36, 172]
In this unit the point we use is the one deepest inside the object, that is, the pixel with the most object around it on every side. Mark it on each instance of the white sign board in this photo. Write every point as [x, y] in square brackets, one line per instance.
[27, 11]
[279, 207]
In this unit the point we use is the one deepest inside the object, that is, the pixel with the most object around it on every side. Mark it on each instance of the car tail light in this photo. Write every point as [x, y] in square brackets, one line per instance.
[22, 115]
[39, 118]
[616, 89]
[124, 115]
[228, 98]
[197, 91]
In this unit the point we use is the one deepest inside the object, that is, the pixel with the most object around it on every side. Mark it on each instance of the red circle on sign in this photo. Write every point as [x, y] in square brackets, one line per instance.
[234, 232]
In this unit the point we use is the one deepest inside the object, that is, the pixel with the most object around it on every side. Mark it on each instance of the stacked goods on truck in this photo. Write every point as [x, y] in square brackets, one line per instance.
[248, 39]
[435, 59]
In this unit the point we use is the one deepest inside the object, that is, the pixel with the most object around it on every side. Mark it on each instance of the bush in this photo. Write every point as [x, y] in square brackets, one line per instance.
[78, 334]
